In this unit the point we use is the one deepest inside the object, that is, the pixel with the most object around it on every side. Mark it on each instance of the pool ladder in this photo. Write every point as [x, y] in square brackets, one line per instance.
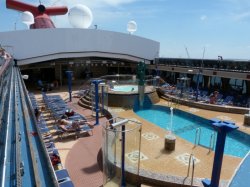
[191, 157]
[212, 142]
[197, 137]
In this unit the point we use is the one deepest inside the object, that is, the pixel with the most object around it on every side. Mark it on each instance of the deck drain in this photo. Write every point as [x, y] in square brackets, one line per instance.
[134, 156]
[184, 158]
[150, 136]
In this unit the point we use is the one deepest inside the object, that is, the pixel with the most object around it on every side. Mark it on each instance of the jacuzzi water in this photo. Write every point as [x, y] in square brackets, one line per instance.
[125, 88]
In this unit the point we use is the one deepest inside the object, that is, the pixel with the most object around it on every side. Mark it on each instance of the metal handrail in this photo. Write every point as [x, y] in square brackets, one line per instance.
[42, 149]
[7, 119]
[19, 165]
[27, 116]
[193, 167]
[197, 140]
[212, 142]
[5, 66]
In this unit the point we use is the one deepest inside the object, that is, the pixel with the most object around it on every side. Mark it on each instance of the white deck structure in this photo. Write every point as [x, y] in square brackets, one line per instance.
[32, 46]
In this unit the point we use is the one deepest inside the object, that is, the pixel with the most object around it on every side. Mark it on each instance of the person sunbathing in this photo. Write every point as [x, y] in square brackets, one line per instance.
[72, 125]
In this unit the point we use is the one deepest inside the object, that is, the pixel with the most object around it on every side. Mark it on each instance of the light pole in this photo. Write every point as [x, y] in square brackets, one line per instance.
[197, 84]
[141, 67]
[96, 83]
[220, 58]
[69, 75]
[198, 76]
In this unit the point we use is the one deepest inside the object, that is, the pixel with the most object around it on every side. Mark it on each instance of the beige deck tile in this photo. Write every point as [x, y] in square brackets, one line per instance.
[164, 162]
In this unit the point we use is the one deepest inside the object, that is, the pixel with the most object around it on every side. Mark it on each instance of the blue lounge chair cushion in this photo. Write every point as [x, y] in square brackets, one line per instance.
[66, 184]
[62, 174]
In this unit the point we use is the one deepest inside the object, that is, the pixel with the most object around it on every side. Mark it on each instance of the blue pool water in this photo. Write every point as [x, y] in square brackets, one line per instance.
[185, 125]
[125, 88]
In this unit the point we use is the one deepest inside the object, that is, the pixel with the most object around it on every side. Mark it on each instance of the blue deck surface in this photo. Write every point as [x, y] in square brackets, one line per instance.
[242, 175]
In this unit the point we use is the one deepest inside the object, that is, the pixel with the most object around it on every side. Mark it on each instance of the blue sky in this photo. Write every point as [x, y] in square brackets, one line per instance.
[222, 27]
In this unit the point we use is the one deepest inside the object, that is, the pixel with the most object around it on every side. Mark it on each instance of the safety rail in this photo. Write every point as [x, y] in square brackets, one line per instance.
[6, 74]
[19, 163]
[26, 114]
[17, 122]
[191, 157]
[197, 137]
[38, 151]
[212, 142]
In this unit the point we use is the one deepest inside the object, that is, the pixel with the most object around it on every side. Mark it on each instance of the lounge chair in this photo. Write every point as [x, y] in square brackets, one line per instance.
[63, 131]
[219, 98]
[227, 101]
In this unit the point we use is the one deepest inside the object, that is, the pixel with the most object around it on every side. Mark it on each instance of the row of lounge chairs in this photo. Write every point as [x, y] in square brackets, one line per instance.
[203, 96]
[61, 174]
[57, 108]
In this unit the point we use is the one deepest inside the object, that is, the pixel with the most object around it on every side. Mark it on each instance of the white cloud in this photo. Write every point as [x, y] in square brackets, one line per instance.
[118, 2]
[203, 17]
[93, 3]
[242, 16]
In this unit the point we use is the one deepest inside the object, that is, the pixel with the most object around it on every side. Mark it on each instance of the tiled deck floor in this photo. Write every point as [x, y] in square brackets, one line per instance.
[80, 156]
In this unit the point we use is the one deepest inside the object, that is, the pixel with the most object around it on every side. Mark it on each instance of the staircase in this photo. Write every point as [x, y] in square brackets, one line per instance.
[85, 101]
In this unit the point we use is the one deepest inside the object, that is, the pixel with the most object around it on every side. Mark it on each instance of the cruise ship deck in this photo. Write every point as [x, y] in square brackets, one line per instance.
[82, 156]
[120, 71]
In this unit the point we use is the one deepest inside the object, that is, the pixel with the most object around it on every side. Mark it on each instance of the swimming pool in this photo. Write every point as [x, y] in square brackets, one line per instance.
[185, 125]
[125, 88]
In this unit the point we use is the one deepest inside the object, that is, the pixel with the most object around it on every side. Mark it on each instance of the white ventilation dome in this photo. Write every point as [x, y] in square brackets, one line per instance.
[80, 16]
[131, 27]
[27, 18]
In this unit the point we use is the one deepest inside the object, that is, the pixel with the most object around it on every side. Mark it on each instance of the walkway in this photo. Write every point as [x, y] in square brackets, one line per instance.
[81, 160]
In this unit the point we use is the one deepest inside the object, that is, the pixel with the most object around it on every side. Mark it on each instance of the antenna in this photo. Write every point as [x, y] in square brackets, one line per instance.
[204, 50]
[187, 51]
